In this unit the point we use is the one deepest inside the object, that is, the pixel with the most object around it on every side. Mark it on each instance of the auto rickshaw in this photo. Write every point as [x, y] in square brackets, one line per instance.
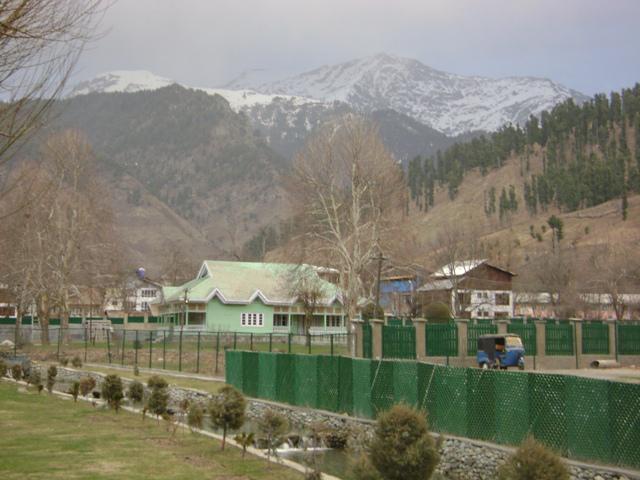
[500, 351]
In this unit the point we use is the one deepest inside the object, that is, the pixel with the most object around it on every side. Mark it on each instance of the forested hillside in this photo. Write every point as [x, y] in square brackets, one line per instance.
[590, 154]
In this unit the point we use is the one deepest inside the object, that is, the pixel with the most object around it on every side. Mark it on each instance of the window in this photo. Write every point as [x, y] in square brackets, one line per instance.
[280, 320]
[148, 293]
[502, 298]
[251, 319]
[334, 321]
[144, 306]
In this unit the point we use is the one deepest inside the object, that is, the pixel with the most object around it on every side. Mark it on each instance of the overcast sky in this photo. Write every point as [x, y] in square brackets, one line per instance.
[588, 45]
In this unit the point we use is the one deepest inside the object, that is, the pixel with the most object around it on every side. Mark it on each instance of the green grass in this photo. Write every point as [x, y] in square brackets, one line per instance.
[45, 437]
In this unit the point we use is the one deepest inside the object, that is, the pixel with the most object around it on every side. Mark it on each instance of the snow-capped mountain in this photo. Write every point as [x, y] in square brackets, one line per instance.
[450, 103]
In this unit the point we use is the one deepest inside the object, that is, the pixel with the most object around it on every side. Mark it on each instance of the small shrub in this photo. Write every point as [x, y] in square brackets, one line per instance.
[227, 410]
[87, 384]
[156, 381]
[3, 368]
[533, 461]
[245, 440]
[136, 371]
[402, 448]
[158, 400]
[74, 390]
[64, 361]
[195, 416]
[52, 373]
[16, 372]
[274, 426]
[34, 377]
[76, 362]
[437, 312]
[135, 392]
[112, 391]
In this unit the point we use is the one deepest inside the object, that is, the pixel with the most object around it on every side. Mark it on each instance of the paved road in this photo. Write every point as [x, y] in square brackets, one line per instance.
[626, 374]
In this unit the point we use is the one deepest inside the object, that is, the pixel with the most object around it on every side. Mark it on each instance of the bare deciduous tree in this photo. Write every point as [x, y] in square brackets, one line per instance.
[350, 193]
[307, 288]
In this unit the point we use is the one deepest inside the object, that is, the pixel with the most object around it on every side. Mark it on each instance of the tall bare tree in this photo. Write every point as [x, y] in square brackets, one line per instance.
[40, 42]
[307, 288]
[350, 194]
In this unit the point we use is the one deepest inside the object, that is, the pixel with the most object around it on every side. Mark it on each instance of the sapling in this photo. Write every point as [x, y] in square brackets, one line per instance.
[75, 390]
[112, 391]
[16, 372]
[135, 392]
[52, 373]
[227, 410]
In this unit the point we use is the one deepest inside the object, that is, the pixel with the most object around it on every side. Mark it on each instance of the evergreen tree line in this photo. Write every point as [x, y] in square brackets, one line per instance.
[587, 159]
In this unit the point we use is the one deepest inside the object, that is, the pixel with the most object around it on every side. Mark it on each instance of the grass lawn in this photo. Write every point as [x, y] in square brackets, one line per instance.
[43, 436]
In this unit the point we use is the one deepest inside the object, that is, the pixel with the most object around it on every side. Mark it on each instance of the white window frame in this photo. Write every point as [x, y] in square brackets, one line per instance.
[251, 319]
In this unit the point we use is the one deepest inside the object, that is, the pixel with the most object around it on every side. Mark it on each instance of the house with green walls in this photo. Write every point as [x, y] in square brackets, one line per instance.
[252, 297]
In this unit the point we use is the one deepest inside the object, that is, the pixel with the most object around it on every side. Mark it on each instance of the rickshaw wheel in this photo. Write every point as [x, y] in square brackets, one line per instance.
[484, 366]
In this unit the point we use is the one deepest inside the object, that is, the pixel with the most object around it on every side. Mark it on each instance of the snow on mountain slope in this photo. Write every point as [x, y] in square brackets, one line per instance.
[450, 103]
[121, 81]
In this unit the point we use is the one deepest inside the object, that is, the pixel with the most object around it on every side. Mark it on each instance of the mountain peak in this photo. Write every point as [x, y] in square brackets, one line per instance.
[121, 81]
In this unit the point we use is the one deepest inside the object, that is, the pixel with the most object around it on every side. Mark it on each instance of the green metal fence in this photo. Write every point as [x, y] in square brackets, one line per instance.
[442, 339]
[475, 330]
[595, 338]
[559, 338]
[527, 332]
[398, 342]
[628, 339]
[584, 419]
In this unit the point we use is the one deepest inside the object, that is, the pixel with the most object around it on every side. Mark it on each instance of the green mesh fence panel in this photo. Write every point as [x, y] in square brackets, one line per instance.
[27, 320]
[426, 389]
[547, 410]
[398, 342]
[328, 382]
[624, 404]
[75, 320]
[451, 400]
[361, 378]
[7, 321]
[54, 321]
[267, 376]
[595, 338]
[382, 394]
[117, 321]
[588, 416]
[511, 396]
[476, 330]
[233, 368]
[527, 332]
[481, 404]
[559, 338]
[135, 320]
[285, 365]
[154, 320]
[442, 339]
[628, 339]
[405, 387]
[345, 391]
[305, 381]
[367, 341]
[394, 322]
[250, 362]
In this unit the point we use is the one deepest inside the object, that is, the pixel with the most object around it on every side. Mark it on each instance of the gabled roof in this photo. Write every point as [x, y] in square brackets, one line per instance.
[244, 282]
[434, 285]
[461, 268]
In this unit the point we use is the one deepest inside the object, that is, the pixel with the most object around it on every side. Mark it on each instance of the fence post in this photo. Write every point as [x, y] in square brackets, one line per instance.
[613, 338]
[462, 324]
[270, 342]
[109, 346]
[308, 343]
[124, 338]
[357, 347]
[180, 352]
[15, 338]
[136, 347]
[251, 341]
[289, 342]
[577, 341]
[58, 349]
[235, 340]
[503, 327]
[541, 341]
[331, 340]
[85, 342]
[376, 337]
[150, 348]
[217, 349]
[164, 349]
[421, 344]
[198, 355]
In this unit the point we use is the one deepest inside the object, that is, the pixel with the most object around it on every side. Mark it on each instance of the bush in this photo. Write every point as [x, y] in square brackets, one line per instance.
[87, 384]
[64, 361]
[76, 362]
[135, 392]
[370, 311]
[402, 448]
[362, 469]
[437, 312]
[16, 372]
[112, 391]
[227, 410]
[34, 377]
[195, 417]
[274, 426]
[156, 381]
[136, 371]
[52, 373]
[74, 390]
[3, 368]
[533, 461]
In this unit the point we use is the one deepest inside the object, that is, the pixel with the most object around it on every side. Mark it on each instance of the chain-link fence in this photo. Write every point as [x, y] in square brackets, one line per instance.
[582, 418]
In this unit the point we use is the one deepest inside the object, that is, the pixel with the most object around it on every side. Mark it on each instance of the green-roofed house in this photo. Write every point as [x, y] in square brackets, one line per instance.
[251, 297]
